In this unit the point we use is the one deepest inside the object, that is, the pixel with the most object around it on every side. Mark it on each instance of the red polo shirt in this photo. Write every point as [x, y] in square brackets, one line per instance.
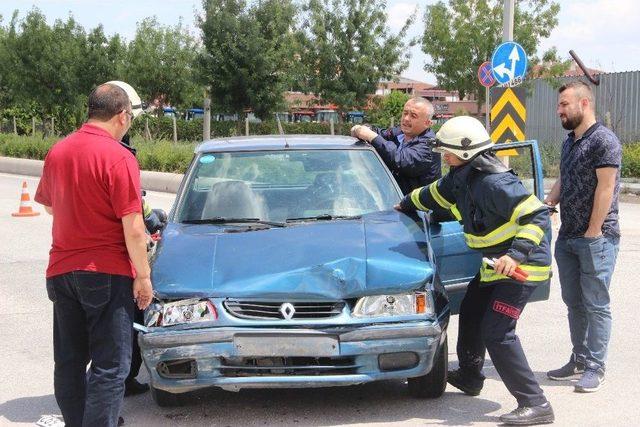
[91, 182]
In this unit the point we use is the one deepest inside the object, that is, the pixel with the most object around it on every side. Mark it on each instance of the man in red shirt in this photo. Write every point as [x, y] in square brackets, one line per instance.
[98, 259]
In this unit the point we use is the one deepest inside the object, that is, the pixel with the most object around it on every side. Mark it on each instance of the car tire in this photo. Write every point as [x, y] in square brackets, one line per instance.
[432, 385]
[164, 399]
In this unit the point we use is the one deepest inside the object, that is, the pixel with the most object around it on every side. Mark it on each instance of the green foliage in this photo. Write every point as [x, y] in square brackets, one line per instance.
[25, 147]
[247, 52]
[49, 70]
[550, 154]
[160, 64]
[347, 49]
[163, 156]
[461, 35]
[387, 108]
[631, 160]
[161, 128]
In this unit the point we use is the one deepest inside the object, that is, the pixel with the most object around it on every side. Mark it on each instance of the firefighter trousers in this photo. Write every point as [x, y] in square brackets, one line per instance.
[488, 318]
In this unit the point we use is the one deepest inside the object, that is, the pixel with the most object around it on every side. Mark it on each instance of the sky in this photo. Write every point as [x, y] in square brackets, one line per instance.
[604, 33]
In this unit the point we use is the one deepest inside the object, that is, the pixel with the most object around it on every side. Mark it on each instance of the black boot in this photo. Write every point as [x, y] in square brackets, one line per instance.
[132, 387]
[529, 415]
[470, 383]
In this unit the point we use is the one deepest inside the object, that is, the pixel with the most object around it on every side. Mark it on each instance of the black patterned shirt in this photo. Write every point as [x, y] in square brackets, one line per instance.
[599, 147]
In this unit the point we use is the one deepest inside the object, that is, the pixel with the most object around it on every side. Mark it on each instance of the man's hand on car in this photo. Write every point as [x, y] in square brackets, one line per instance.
[363, 133]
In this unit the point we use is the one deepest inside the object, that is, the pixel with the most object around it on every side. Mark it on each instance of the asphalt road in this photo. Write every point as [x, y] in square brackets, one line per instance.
[26, 362]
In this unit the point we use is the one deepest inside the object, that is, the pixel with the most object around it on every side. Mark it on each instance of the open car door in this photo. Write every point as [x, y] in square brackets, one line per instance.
[456, 263]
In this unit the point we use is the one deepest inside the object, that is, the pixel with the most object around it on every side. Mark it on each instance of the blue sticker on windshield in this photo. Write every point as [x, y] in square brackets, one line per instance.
[207, 159]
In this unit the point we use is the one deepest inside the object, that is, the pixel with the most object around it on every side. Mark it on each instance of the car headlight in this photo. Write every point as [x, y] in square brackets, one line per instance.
[394, 305]
[180, 312]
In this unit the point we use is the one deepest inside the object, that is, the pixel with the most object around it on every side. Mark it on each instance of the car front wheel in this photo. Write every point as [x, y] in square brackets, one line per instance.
[433, 384]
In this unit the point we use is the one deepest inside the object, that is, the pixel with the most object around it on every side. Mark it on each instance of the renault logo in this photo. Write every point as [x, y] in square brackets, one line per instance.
[287, 310]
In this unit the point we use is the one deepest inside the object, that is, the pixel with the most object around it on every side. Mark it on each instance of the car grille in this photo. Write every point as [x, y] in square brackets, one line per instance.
[282, 366]
[272, 310]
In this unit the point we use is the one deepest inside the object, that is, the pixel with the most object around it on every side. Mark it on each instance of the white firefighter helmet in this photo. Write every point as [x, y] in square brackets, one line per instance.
[136, 102]
[463, 136]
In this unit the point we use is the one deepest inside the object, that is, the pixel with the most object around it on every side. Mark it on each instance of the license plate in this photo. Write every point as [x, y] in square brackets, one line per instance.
[279, 345]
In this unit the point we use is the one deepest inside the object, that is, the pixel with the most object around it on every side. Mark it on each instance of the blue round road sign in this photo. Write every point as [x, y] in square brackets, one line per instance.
[485, 75]
[509, 62]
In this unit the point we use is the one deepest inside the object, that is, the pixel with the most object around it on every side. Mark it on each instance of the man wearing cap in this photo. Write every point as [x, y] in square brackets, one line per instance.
[98, 259]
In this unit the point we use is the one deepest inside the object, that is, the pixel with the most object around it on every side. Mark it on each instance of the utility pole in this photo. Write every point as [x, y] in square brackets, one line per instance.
[507, 36]
[507, 20]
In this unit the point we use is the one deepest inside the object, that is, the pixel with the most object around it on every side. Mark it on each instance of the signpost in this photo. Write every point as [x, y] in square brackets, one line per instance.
[509, 64]
[486, 79]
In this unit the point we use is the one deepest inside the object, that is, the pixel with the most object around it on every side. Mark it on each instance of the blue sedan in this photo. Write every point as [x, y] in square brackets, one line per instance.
[284, 264]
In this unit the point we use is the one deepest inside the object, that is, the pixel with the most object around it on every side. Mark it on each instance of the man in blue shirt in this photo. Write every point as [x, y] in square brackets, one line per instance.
[405, 149]
[589, 236]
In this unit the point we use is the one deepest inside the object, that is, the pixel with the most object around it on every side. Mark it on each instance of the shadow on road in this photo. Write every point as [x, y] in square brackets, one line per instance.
[382, 402]
[29, 409]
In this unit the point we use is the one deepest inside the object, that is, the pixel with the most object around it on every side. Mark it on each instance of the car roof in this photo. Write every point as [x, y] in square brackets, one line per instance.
[279, 142]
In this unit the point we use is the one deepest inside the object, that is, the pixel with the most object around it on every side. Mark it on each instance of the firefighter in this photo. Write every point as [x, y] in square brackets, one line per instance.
[507, 224]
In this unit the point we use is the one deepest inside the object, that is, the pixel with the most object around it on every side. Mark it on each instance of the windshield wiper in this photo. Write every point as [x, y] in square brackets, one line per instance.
[324, 217]
[230, 220]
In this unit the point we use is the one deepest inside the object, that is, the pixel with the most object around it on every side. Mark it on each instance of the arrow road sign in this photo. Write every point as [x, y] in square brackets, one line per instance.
[485, 75]
[509, 62]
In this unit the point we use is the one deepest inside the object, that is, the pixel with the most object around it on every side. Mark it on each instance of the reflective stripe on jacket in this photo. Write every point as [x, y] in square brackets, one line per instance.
[498, 214]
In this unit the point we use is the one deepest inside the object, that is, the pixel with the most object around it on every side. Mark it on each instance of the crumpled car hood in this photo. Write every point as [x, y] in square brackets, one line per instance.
[381, 253]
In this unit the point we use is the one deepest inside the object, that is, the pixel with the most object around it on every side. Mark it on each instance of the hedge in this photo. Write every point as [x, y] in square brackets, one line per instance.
[165, 156]
[162, 128]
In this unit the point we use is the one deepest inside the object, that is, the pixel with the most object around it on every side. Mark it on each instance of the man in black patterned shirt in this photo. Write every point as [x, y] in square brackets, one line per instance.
[589, 236]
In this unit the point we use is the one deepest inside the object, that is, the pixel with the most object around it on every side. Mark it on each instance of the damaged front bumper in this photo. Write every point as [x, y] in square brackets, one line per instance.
[233, 358]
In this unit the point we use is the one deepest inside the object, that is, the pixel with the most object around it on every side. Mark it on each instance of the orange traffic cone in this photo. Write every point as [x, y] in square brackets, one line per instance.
[25, 204]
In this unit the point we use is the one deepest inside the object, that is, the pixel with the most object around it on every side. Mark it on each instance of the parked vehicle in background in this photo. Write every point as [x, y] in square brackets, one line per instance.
[169, 112]
[303, 116]
[355, 117]
[194, 113]
[327, 116]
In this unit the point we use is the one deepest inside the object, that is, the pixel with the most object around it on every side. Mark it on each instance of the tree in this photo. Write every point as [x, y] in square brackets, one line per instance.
[103, 59]
[348, 49]
[161, 63]
[247, 53]
[44, 60]
[463, 34]
[388, 108]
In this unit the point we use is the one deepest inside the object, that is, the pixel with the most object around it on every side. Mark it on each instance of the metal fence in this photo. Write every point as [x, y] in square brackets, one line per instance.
[617, 105]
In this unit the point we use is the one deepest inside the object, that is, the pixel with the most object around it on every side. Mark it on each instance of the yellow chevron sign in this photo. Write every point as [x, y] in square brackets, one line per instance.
[508, 115]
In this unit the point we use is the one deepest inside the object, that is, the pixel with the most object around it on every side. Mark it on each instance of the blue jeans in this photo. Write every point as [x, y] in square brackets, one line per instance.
[586, 266]
[92, 322]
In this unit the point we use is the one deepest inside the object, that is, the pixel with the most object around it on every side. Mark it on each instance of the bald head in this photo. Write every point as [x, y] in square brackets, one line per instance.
[107, 100]
[416, 116]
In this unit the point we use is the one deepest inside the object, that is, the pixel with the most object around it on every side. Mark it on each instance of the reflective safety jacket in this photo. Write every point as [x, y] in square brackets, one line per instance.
[412, 163]
[498, 214]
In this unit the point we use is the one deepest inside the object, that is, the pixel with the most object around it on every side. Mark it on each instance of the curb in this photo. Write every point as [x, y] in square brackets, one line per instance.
[151, 180]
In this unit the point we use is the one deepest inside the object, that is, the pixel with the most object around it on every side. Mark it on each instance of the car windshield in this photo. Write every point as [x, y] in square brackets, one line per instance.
[289, 185]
